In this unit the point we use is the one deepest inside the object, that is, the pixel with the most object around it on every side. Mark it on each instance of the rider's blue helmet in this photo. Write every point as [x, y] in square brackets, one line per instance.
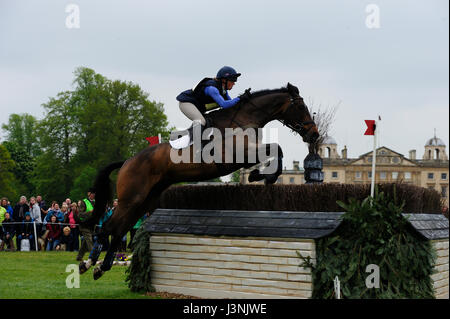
[227, 72]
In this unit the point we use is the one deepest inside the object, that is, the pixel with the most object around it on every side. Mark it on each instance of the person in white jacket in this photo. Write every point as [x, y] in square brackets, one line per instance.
[35, 213]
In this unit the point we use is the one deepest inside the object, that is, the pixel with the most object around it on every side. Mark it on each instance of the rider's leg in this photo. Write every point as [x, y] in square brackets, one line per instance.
[191, 112]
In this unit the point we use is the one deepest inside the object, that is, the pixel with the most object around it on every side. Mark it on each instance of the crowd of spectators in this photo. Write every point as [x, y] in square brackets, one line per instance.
[53, 228]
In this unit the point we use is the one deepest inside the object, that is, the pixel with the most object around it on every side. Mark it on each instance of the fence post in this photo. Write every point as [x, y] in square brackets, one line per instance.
[35, 236]
[337, 288]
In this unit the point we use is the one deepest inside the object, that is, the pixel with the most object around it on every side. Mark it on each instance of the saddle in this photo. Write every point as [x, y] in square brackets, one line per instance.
[184, 138]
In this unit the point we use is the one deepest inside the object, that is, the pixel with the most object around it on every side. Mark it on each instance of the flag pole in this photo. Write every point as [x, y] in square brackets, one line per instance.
[374, 160]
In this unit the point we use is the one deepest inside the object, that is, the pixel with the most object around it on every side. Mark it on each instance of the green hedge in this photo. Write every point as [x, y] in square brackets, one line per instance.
[138, 273]
[313, 197]
[373, 231]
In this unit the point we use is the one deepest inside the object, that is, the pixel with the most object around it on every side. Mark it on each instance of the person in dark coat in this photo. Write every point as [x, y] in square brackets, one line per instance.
[19, 212]
[66, 240]
[9, 230]
[26, 231]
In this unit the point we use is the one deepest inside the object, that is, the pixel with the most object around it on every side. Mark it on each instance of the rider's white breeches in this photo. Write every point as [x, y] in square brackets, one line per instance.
[191, 111]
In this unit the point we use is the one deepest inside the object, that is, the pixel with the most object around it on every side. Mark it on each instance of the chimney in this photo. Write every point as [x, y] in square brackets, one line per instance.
[412, 154]
[344, 152]
[295, 165]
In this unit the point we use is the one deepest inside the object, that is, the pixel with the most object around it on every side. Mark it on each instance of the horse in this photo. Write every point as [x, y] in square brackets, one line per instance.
[143, 177]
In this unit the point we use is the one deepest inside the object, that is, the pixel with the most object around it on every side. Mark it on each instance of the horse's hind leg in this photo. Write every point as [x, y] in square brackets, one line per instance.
[109, 258]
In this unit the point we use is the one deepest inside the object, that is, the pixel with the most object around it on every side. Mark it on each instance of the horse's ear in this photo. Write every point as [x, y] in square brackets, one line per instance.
[292, 89]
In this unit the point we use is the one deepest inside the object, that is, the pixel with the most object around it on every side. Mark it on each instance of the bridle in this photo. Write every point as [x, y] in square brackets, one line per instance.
[297, 127]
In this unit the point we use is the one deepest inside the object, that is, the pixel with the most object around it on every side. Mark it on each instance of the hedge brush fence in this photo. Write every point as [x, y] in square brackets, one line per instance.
[306, 198]
[372, 231]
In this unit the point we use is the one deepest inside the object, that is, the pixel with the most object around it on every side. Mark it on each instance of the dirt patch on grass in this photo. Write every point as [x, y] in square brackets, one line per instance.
[167, 295]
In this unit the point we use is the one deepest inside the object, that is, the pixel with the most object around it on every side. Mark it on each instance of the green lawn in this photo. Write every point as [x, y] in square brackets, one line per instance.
[25, 275]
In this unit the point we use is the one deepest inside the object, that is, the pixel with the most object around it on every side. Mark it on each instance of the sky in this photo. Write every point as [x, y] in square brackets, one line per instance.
[371, 58]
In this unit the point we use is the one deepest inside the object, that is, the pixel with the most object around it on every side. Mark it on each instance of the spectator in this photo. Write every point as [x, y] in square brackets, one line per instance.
[71, 219]
[42, 206]
[66, 242]
[134, 230]
[9, 230]
[85, 210]
[54, 233]
[64, 210]
[54, 211]
[35, 213]
[123, 243]
[102, 220]
[20, 209]
[2, 214]
[5, 204]
[18, 216]
[26, 232]
[68, 201]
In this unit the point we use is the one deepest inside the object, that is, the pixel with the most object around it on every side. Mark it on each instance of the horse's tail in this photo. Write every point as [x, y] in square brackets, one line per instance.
[103, 192]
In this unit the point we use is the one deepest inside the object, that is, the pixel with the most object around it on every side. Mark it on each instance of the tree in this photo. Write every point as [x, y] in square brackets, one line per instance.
[21, 130]
[98, 122]
[7, 179]
[23, 168]
[114, 117]
[82, 183]
[323, 118]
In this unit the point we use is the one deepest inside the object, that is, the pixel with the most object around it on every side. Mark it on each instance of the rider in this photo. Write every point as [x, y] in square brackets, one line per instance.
[209, 94]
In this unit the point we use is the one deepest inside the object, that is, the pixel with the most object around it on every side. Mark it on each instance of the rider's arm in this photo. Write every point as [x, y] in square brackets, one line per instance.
[214, 93]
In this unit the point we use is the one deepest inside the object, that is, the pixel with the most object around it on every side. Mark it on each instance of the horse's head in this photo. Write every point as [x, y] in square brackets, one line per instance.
[295, 115]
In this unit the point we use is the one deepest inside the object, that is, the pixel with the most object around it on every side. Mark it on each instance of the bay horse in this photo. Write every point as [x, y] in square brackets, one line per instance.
[143, 177]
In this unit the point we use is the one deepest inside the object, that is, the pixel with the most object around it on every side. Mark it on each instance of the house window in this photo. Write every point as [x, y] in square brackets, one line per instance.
[394, 175]
[395, 160]
[280, 180]
[291, 180]
[407, 175]
[430, 175]
[444, 191]
[444, 176]
[369, 174]
[358, 175]
[334, 174]
[383, 175]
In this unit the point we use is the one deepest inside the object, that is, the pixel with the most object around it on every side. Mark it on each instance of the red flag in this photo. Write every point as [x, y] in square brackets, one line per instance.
[152, 140]
[370, 127]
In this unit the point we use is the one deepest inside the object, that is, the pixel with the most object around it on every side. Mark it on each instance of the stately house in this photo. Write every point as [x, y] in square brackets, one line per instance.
[431, 171]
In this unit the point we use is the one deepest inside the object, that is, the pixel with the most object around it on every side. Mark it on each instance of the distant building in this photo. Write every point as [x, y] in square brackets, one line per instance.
[432, 171]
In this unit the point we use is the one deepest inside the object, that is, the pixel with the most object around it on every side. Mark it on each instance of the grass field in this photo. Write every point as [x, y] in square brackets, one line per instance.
[42, 275]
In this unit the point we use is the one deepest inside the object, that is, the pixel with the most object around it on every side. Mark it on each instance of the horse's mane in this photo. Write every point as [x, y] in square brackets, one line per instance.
[269, 91]
[225, 113]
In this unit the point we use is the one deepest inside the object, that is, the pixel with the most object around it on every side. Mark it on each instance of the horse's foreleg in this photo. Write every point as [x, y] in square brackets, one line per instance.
[273, 169]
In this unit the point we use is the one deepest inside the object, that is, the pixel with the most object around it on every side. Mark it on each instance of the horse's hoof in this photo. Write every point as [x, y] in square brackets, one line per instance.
[255, 176]
[82, 267]
[270, 179]
[98, 273]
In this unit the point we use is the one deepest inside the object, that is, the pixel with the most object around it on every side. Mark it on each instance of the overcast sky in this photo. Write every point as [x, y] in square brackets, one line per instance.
[399, 71]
